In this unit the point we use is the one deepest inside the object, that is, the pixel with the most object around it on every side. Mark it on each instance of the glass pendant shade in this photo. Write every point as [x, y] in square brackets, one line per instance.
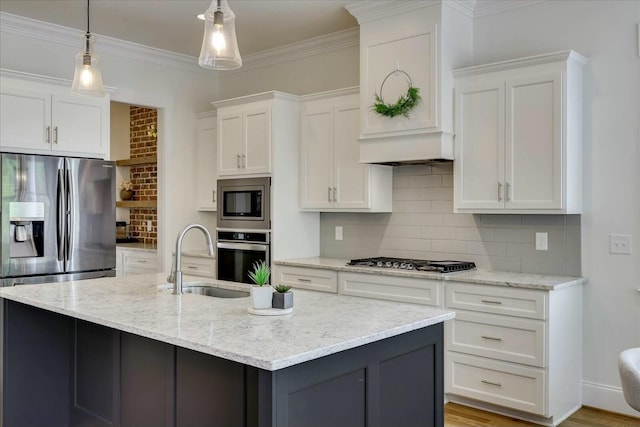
[87, 79]
[219, 45]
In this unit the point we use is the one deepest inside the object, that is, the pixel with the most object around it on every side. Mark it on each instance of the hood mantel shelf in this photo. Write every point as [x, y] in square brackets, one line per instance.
[425, 39]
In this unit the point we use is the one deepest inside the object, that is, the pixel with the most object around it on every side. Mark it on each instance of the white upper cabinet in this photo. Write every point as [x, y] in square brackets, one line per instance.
[206, 174]
[331, 178]
[41, 118]
[245, 136]
[518, 139]
[424, 40]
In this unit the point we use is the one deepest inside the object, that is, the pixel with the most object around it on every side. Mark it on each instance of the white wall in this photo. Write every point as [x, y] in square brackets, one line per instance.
[605, 32]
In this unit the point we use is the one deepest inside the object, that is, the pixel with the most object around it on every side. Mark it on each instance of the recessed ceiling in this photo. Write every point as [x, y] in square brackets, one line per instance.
[173, 26]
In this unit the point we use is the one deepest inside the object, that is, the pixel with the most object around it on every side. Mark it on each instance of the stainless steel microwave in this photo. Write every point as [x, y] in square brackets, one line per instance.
[243, 203]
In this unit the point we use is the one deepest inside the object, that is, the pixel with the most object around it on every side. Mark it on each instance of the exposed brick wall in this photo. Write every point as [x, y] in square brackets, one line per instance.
[144, 177]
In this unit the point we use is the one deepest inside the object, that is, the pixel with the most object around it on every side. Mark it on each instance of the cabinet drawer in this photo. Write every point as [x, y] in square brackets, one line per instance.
[501, 383]
[499, 337]
[497, 299]
[139, 262]
[197, 266]
[418, 291]
[307, 278]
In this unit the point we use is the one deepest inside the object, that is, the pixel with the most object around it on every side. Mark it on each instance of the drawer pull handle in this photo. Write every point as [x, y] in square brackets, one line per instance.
[491, 383]
[304, 280]
[193, 267]
[491, 338]
[488, 301]
[141, 261]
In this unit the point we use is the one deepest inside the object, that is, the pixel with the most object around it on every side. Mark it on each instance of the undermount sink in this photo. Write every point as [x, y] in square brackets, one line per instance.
[208, 289]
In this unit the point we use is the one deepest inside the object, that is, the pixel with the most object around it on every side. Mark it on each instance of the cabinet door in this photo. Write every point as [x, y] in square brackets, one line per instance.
[206, 175]
[534, 142]
[229, 143]
[257, 141]
[317, 156]
[147, 382]
[80, 125]
[25, 119]
[95, 375]
[351, 179]
[479, 149]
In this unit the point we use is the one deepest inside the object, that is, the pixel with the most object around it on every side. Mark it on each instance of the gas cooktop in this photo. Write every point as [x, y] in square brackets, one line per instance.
[445, 266]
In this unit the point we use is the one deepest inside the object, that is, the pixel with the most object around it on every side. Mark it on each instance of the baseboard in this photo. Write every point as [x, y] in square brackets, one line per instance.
[606, 397]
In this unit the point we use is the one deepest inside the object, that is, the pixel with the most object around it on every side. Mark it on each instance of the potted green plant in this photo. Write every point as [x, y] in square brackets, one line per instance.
[282, 297]
[261, 292]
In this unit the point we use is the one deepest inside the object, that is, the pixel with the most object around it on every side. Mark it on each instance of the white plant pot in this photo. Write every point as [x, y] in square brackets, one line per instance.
[261, 296]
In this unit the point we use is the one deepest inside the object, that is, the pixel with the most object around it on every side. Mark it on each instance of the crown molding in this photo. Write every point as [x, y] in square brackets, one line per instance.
[493, 7]
[65, 36]
[298, 50]
[37, 78]
[564, 55]
[39, 30]
[466, 7]
[368, 11]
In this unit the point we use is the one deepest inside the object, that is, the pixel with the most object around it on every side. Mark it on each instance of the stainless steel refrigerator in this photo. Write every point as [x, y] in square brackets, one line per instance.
[58, 219]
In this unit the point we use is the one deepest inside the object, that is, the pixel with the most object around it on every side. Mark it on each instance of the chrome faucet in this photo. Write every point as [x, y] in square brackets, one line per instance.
[176, 272]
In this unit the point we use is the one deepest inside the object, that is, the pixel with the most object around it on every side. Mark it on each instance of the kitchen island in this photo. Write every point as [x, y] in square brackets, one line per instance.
[118, 351]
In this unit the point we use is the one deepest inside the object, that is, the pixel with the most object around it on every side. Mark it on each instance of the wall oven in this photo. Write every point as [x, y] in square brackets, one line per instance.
[243, 203]
[238, 251]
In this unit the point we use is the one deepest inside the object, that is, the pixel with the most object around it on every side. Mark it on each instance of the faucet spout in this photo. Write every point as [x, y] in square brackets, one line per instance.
[176, 272]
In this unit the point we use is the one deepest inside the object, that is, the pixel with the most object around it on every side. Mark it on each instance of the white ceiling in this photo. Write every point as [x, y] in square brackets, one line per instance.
[173, 26]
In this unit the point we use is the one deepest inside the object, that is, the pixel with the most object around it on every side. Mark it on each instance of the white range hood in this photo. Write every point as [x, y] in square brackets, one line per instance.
[425, 40]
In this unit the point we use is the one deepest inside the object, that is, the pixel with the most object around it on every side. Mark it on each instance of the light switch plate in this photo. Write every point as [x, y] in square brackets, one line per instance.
[620, 244]
[541, 242]
[338, 232]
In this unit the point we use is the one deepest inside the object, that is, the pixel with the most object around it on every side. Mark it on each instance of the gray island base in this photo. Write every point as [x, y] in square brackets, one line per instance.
[60, 369]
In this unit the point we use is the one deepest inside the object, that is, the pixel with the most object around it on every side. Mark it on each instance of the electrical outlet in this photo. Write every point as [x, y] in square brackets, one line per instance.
[541, 242]
[149, 228]
[338, 232]
[620, 244]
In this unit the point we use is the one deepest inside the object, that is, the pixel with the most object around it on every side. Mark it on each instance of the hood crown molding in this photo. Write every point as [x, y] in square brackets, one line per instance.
[40, 30]
[367, 11]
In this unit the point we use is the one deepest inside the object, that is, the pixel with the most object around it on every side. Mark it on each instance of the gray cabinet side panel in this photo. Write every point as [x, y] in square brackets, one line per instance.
[36, 367]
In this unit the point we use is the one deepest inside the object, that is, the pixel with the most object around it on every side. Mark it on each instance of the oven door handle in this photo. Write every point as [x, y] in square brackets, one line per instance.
[243, 246]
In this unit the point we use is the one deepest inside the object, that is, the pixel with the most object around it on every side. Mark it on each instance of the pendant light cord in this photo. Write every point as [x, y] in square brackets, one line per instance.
[88, 28]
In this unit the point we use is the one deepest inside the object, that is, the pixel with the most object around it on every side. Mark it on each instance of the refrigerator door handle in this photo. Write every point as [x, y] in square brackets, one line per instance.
[69, 210]
[62, 215]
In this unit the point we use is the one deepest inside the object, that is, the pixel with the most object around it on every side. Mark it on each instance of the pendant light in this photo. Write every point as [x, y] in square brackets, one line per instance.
[87, 79]
[219, 45]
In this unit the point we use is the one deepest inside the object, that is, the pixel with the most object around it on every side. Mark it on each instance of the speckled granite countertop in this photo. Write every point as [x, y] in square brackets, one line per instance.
[479, 276]
[321, 324]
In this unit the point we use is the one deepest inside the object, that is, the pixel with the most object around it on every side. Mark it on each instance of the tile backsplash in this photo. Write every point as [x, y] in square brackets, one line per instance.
[424, 226]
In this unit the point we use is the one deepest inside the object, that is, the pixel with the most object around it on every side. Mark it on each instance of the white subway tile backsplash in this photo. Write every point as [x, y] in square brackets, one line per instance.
[472, 234]
[424, 226]
[487, 248]
[450, 246]
[415, 206]
[439, 233]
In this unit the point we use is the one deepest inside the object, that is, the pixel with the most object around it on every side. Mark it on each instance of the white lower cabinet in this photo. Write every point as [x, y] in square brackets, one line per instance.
[194, 265]
[314, 279]
[393, 288]
[135, 261]
[519, 349]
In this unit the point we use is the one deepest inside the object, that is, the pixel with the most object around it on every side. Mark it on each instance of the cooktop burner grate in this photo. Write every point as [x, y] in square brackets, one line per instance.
[445, 266]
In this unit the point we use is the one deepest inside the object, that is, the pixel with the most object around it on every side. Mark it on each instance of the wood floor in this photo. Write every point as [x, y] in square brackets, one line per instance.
[461, 416]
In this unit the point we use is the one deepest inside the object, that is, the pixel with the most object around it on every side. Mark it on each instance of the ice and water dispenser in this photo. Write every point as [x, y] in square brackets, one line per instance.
[26, 229]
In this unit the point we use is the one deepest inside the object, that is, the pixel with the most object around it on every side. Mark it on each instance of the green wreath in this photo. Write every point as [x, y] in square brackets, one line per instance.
[403, 105]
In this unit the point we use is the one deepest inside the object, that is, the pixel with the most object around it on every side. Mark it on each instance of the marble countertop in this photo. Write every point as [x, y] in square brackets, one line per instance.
[321, 324]
[478, 276]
